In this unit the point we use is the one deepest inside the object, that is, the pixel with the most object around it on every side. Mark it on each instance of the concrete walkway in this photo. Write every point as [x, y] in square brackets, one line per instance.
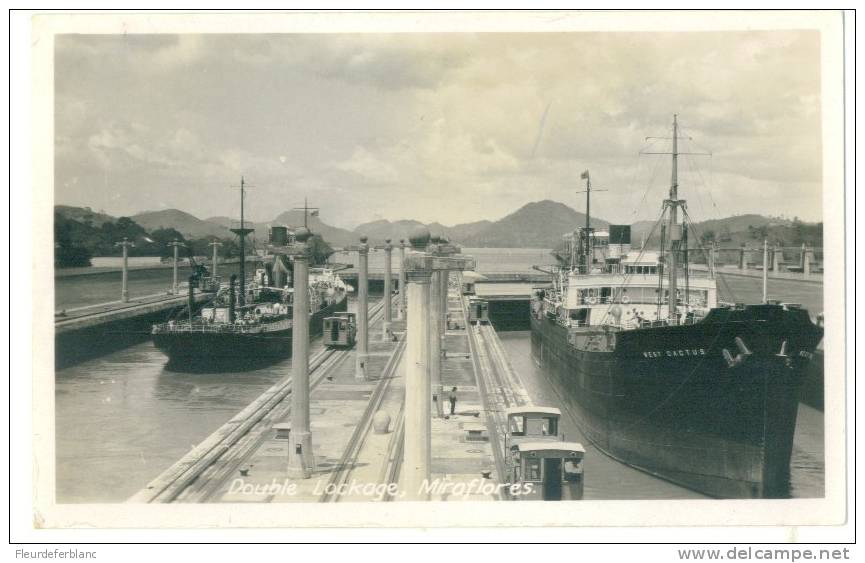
[336, 407]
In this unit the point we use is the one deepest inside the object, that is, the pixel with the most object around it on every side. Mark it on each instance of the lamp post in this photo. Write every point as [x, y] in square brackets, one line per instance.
[402, 289]
[215, 244]
[301, 461]
[176, 244]
[388, 316]
[420, 265]
[362, 310]
[124, 290]
[418, 432]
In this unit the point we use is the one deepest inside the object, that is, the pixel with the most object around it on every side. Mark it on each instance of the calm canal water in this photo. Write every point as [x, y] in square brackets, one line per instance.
[122, 418]
[609, 479]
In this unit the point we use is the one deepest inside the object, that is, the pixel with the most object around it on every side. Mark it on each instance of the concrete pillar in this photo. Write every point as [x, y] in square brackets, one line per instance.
[362, 355]
[435, 359]
[765, 271]
[742, 258]
[124, 282]
[802, 257]
[443, 315]
[176, 246]
[806, 262]
[124, 272]
[777, 254]
[215, 244]
[402, 288]
[418, 433]
[388, 315]
[712, 257]
[301, 462]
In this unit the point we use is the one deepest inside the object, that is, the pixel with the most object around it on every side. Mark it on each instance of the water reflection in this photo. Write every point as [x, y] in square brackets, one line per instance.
[124, 417]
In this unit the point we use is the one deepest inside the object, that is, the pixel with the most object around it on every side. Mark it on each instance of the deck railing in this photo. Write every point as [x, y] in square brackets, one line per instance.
[204, 327]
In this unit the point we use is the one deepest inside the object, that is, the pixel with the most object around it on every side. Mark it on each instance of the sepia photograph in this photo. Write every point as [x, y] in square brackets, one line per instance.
[439, 269]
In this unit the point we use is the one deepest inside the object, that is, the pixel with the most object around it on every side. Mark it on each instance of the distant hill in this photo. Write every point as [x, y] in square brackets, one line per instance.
[84, 215]
[465, 231]
[738, 230]
[333, 235]
[222, 221]
[540, 224]
[189, 225]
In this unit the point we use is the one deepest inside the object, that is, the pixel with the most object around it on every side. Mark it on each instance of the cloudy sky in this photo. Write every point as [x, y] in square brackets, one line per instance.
[437, 127]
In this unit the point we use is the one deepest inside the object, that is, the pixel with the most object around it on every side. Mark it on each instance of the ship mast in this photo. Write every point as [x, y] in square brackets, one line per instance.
[242, 232]
[587, 257]
[306, 212]
[673, 228]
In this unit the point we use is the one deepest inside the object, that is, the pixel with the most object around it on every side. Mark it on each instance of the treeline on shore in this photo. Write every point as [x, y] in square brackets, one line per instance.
[76, 242]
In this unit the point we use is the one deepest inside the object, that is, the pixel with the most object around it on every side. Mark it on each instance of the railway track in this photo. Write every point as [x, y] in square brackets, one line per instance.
[349, 458]
[500, 387]
[208, 465]
[394, 457]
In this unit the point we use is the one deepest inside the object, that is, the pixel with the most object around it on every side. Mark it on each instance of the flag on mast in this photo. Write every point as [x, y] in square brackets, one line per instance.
[584, 175]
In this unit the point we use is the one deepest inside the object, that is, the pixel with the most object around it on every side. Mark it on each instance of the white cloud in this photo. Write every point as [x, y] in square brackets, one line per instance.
[435, 126]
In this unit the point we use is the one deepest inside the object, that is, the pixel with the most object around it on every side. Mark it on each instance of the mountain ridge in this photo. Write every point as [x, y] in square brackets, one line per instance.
[539, 224]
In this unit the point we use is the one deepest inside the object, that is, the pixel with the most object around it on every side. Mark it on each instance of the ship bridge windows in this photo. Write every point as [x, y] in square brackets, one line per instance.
[517, 426]
[573, 469]
[547, 426]
[533, 469]
[641, 270]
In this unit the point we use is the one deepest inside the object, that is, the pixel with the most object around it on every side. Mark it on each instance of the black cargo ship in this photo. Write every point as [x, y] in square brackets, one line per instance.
[245, 325]
[701, 394]
[259, 330]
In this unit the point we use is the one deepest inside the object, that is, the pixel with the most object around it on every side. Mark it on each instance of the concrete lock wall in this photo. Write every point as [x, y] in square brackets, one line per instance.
[510, 315]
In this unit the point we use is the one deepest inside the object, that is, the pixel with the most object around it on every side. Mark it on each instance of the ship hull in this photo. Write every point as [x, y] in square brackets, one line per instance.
[665, 399]
[190, 351]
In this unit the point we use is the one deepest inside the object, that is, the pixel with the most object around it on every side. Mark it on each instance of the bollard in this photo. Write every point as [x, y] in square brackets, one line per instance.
[418, 432]
[301, 461]
[388, 317]
[402, 288]
[434, 349]
[381, 422]
[362, 354]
